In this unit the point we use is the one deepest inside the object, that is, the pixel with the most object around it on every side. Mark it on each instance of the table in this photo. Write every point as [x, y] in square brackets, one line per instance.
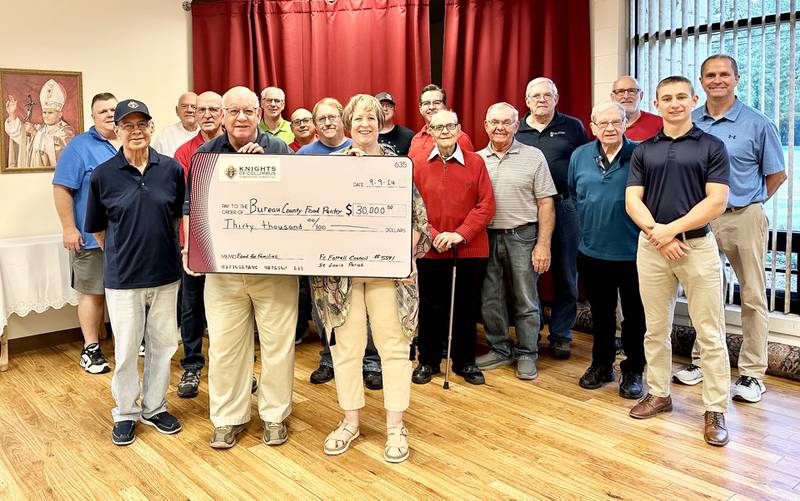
[34, 276]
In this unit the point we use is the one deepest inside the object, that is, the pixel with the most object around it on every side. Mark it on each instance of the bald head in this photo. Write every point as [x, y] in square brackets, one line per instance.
[209, 113]
[626, 91]
[303, 126]
[185, 109]
[243, 94]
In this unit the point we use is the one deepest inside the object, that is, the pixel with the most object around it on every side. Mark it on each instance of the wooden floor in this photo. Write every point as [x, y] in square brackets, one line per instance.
[547, 439]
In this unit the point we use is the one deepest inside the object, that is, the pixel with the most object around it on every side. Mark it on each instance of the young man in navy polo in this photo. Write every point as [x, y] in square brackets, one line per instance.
[678, 183]
[135, 199]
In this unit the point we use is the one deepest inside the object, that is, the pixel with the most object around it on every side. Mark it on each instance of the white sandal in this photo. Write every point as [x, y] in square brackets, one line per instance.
[396, 450]
[338, 441]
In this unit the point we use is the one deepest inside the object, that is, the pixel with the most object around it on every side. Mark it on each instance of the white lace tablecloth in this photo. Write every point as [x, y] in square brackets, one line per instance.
[34, 276]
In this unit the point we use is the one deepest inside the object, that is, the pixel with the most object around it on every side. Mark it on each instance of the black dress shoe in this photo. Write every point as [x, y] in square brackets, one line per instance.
[595, 376]
[471, 374]
[423, 374]
[630, 385]
[373, 380]
[560, 349]
[323, 374]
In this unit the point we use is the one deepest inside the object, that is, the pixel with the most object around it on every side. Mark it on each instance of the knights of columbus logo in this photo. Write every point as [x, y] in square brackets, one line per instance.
[230, 172]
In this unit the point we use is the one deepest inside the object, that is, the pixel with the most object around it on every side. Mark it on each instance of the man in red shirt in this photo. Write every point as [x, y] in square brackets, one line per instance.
[302, 123]
[641, 124]
[432, 100]
[193, 314]
[459, 199]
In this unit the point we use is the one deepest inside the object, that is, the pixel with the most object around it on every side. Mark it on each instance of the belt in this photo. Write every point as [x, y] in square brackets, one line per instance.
[558, 197]
[737, 209]
[512, 230]
[696, 233]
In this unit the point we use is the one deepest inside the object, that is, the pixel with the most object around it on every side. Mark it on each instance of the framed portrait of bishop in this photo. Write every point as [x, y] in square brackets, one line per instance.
[42, 111]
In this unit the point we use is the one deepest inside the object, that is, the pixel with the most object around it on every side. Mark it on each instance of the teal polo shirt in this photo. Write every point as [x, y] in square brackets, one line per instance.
[754, 149]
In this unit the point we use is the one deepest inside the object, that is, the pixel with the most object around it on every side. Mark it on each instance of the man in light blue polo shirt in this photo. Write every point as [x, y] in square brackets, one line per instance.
[70, 194]
[757, 170]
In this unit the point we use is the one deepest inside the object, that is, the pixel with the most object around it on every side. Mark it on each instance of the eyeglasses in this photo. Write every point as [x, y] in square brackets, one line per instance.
[131, 126]
[431, 104]
[541, 97]
[187, 106]
[617, 124]
[301, 121]
[213, 110]
[497, 123]
[272, 101]
[622, 92]
[328, 118]
[439, 128]
[234, 112]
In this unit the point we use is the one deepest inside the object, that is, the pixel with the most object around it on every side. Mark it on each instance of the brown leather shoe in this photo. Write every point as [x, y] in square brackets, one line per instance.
[651, 405]
[716, 433]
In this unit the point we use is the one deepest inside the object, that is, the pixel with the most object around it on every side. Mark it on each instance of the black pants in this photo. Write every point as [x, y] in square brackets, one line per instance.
[435, 280]
[193, 320]
[602, 280]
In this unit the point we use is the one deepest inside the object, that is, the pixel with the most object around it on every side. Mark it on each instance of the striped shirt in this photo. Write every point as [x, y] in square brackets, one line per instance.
[518, 179]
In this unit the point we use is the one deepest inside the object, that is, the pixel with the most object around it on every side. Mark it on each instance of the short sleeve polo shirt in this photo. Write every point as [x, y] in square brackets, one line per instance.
[137, 211]
[557, 141]
[754, 148]
[674, 171]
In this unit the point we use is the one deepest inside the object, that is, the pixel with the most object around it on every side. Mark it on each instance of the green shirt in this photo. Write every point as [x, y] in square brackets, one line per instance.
[284, 132]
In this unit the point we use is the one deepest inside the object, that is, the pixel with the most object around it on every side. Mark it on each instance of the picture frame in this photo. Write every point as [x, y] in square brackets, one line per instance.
[42, 110]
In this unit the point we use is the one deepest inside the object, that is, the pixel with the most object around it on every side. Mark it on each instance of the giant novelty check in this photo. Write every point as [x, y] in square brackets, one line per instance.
[300, 215]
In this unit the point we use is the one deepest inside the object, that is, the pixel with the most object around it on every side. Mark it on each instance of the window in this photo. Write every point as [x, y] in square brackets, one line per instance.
[673, 37]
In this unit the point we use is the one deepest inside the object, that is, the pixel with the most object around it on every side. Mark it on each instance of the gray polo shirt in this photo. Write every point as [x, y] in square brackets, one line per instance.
[518, 179]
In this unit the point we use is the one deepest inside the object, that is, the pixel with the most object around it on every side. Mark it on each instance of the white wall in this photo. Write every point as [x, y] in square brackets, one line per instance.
[135, 49]
[609, 25]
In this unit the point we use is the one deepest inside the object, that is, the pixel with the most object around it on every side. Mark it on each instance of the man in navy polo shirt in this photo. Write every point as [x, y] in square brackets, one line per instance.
[232, 300]
[134, 201]
[598, 173]
[70, 194]
[678, 183]
[557, 135]
[757, 171]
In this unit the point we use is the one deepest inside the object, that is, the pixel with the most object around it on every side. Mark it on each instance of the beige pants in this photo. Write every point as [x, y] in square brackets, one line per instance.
[231, 302]
[742, 237]
[700, 274]
[378, 299]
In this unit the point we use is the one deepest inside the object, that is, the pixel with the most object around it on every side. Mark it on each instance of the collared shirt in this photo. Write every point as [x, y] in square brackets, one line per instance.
[754, 148]
[422, 143]
[598, 187]
[221, 144]
[674, 171]
[457, 155]
[74, 169]
[172, 137]
[284, 131]
[184, 157]
[320, 148]
[557, 141]
[645, 127]
[519, 178]
[137, 211]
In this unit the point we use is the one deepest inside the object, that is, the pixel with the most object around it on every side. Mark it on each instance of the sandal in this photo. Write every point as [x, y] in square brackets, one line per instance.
[338, 441]
[396, 450]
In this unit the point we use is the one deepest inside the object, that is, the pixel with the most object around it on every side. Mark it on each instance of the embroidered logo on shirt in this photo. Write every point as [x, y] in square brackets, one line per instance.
[557, 133]
[731, 136]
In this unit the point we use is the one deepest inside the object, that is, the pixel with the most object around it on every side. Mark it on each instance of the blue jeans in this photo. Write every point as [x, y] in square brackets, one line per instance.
[564, 270]
[510, 269]
[371, 362]
[193, 321]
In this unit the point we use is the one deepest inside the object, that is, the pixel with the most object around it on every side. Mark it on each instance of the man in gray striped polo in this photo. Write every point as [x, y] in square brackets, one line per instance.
[519, 242]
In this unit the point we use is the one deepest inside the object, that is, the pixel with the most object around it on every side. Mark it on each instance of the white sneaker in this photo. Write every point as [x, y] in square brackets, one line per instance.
[748, 389]
[690, 375]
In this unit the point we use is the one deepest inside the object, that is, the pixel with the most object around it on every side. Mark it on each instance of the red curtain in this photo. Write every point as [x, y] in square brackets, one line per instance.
[493, 48]
[314, 49]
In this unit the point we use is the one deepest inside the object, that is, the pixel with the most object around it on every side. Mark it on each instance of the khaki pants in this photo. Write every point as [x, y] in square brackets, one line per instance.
[700, 274]
[742, 236]
[378, 298]
[231, 302]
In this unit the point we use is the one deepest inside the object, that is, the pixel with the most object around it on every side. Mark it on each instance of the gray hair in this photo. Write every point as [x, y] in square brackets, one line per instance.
[503, 105]
[240, 91]
[283, 94]
[541, 80]
[455, 115]
[608, 105]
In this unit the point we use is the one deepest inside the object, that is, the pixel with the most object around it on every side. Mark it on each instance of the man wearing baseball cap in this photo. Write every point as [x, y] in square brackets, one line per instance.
[392, 134]
[135, 200]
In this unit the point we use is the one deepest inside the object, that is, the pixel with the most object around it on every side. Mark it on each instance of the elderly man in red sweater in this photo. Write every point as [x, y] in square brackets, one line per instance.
[458, 194]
